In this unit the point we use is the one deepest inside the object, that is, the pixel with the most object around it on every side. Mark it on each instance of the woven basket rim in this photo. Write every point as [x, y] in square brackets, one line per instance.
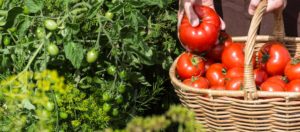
[240, 93]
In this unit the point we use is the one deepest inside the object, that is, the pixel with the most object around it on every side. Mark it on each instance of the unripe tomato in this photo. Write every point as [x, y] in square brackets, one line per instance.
[92, 56]
[111, 70]
[52, 49]
[106, 107]
[119, 99]
[63, 115]
[40, 32]
[121, 88]
[6, 40]
[50, 24]
[106, 96]
[115, 112]
[109, 15]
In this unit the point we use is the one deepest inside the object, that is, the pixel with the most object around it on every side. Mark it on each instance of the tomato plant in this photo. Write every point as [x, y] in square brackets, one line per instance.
[204, 36]
[189, 65]
[292, 69]
[273, 57]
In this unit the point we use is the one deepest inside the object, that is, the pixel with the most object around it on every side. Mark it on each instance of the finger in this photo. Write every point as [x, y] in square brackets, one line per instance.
[274, 5]
[180, 17]
[223, 25]
[252, 7]
[191, 15]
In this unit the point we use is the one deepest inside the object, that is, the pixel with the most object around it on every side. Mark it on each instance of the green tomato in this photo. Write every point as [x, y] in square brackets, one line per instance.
[52, 49]
[111, 70]
[109, 15]
[106, 107]
[63, 115]
[115, 112]
[40, 32]
[50, 24]
[6, 40]
[92, 56]
[49, 106]
[26, 10]
[119, 99]
[121, 88]
[106, 96]
[123, 75]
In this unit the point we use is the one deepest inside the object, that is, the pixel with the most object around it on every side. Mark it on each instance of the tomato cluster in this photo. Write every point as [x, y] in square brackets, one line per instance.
[219, 64]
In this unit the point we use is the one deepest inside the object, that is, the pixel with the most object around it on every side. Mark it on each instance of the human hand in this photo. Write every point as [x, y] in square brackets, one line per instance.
[186, 7]
[272, 5]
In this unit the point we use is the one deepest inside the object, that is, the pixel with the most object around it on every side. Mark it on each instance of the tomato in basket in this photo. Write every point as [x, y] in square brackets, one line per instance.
[293, 86]
[273, 57]
[197, 82]
[216, 74]
[292, 69]
[189, 65]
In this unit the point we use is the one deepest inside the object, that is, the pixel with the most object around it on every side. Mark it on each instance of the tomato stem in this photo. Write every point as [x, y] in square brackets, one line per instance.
[265, 58]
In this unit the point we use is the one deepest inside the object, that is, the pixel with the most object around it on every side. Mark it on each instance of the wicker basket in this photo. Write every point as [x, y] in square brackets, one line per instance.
[249, 109]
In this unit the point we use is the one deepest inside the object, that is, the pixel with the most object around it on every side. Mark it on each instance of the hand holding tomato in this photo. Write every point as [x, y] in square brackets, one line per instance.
[204, 36]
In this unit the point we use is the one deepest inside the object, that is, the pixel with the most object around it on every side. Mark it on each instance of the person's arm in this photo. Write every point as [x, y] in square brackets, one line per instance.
[272, 5]
[186, 7]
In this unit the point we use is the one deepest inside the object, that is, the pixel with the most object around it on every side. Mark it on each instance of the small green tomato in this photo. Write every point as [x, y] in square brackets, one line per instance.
[50, 24]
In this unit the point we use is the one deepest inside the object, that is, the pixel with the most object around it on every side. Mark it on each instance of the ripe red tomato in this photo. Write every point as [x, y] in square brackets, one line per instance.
[236, 72]
[208, 63]
[274, 83]
[189, 65]
[273, 57]
[271, 86]
[293, 86]
[197, 82]
[260, 76]
[234, 84]
[292, 69]
[233, 55]
[216, 52]
[216, 74]
[225, 39]
[204, 36]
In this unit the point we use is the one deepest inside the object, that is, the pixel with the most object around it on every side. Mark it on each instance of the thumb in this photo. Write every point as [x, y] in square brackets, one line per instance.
[223, 25]
[191, 15]
[252, 7]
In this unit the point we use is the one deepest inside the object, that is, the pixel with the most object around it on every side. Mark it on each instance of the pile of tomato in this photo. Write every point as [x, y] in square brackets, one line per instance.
[213, 61]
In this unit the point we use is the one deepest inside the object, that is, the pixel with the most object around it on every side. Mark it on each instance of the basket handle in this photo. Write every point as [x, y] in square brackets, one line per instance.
[250, 91]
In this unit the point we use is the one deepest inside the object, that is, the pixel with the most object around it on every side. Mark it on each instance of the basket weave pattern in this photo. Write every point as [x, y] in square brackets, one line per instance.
[247, 110]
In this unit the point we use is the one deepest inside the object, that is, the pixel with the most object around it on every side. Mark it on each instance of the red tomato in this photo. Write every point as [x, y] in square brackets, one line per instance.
[234, 84]
[225, 39]
[236, 72]
[216, 52]
[204, 36]
[208, 63]
[216, 74]
[197, 82]
[274, 83]
[273, 57]
[293, 86]
[271, 86]
[292, 69]
[260, 76]
[233, 55]
[189, 65]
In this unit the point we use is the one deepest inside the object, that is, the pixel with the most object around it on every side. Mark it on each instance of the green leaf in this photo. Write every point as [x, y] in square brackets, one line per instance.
[11, 15]
[22, 29]
[75, 53]
[34, 5]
